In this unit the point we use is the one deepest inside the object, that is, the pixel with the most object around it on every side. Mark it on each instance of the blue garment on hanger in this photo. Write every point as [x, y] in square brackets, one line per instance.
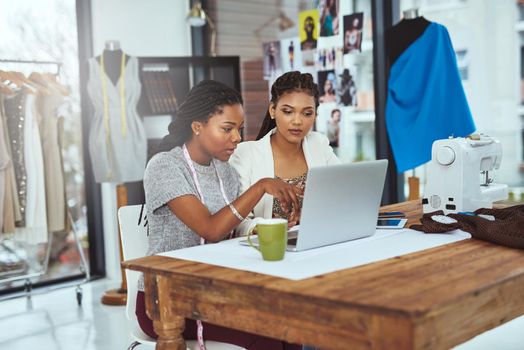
[426, 100]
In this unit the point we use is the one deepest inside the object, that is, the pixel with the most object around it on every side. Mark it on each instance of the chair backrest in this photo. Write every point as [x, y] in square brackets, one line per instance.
[133, 235]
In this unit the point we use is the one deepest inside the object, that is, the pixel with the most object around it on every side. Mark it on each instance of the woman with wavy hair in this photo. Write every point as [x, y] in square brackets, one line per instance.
[286, 147]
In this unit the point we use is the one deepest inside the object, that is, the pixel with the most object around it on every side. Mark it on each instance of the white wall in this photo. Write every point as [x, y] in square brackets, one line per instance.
[144, 28]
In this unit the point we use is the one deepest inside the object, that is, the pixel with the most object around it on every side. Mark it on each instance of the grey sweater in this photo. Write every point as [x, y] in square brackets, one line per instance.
[168, 177]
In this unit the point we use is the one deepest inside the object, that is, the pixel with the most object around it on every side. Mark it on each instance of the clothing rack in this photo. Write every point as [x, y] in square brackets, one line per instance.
[36, 62]
[25, 272]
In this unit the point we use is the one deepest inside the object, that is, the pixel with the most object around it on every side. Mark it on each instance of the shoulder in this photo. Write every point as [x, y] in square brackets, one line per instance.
[248, 150]
[245, 152]
[164, 162]
[241, 158]
[248, 147]
[438, 29]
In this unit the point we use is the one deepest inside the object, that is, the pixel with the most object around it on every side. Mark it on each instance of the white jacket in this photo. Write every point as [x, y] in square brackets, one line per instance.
[253, 160]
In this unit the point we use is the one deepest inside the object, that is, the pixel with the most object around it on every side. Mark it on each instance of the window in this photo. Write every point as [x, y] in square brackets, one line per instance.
[47, 31]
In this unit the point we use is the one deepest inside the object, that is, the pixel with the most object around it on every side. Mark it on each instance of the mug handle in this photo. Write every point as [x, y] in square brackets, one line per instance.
[250, 232]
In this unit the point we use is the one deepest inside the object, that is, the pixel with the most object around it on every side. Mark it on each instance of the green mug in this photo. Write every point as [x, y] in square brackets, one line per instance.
[272, 238]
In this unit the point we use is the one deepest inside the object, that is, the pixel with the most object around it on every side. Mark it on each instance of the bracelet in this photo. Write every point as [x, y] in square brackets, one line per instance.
[235, 212]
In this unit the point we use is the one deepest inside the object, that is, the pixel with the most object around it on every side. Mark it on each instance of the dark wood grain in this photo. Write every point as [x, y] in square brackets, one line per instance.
[433, 299]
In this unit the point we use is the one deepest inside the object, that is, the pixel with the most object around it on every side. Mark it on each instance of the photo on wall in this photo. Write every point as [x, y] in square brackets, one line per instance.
[272, 60]
[291, 55]
[346, 89]
[308, 33]
[353, 25]
[329, 123]
[308, 29]
[308, 58]
[327, 85]
[328, 58]
[329, 17]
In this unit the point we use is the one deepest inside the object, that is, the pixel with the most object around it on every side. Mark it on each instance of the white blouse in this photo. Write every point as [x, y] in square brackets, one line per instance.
[253, 160]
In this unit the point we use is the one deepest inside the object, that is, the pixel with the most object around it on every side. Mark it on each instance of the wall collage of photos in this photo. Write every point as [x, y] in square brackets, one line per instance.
[335, 45]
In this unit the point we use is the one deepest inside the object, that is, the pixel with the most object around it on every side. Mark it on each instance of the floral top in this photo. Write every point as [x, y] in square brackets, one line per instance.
[300, 182]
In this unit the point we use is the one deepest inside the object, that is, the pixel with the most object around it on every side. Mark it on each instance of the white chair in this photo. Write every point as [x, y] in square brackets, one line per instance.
[133, 234]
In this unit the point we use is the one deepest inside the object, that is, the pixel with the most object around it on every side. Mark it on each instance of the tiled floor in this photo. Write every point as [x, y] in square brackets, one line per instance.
[53, 321]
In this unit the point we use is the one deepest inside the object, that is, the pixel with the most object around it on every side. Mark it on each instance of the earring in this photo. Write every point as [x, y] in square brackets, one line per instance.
[197, 133]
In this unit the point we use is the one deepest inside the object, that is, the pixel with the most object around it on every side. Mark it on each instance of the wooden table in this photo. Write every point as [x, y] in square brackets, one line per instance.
[433, 299]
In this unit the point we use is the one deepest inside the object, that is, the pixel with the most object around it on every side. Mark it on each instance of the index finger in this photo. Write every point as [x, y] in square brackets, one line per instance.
[294, 199]
[298, 190]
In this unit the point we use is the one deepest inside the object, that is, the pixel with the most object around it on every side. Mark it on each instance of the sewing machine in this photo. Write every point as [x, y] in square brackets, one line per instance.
[458, 175]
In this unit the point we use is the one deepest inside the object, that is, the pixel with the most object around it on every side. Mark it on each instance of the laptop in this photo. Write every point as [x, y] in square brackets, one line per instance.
[341, 203]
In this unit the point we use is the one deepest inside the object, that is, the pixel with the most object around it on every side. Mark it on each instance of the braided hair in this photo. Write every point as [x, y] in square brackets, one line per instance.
[286, 83]
[205, 99]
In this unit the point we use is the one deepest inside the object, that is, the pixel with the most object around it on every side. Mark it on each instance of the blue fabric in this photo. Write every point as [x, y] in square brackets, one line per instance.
[426, 100]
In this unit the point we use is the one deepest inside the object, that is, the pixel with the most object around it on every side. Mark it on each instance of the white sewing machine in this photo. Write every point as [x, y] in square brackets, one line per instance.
[458, 175]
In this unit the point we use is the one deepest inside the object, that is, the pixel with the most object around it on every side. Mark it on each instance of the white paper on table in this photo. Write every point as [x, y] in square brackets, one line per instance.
[384, 244]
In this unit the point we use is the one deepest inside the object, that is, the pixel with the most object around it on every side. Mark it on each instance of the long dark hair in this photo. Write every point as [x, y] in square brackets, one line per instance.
[204, 100]
[286, 83]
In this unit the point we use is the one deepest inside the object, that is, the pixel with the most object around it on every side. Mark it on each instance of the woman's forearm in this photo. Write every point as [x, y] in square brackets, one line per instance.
[213, 227]
[224, 221]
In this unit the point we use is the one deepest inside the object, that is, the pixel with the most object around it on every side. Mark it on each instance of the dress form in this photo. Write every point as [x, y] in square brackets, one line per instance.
[112, 60]
[426, 99]
[113, 70]
[404, 33]
[117, 138]
[410, 13]
[398, 39]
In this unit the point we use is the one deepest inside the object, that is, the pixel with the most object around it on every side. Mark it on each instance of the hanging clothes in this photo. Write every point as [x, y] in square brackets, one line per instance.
[10, 206]
[35, 230]
[47, 106]
[15, 115]
[426, 100]
[5, 162]
[60, 132]
[117, 138]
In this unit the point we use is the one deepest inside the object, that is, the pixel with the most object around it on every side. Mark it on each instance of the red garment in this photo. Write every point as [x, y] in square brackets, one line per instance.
[213, 332]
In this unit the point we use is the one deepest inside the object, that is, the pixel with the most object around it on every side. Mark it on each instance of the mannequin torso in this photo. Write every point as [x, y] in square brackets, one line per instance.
[402, 35]
[112, 63]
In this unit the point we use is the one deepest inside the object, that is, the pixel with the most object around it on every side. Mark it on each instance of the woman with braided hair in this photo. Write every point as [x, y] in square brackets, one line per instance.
[286, 147]
[192, 193]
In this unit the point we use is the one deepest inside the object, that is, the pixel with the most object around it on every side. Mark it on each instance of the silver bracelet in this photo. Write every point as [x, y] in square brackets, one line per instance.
[235, 212]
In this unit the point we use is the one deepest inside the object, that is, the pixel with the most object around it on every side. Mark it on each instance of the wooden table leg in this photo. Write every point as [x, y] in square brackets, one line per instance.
[160, 308]
[170, 334]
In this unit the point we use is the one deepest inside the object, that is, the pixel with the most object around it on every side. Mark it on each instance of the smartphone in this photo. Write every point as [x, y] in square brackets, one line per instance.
[391, 214]
[391, 223]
